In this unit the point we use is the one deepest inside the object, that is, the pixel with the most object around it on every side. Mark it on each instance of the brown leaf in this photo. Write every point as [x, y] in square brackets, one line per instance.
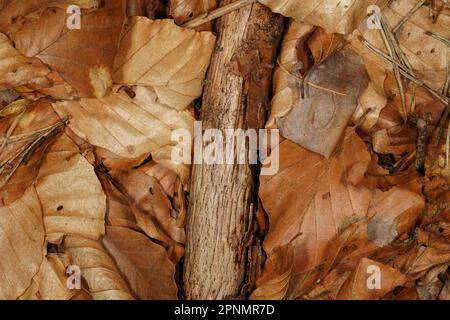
[333, 16]
[87, 68]
[28, 75]
[291, 65]
[145, 265]
[129, 127]
[152, 207]
[99, 270]
[21, 245]
[318, 210]
[72, 198]
[119, 212]
[13, 9]
[26, 137]
[50, 283]
[274, 282]
[356, 286]
[169, 59]
[184, 10]
[321, 189]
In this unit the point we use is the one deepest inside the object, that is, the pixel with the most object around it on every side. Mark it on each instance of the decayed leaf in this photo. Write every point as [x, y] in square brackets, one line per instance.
[21, 244]
[72, 198]
[129, 127]
[26, 136]
[99, 270]
[318, 121]
[274, 282]
[356, 286]
[185, 10]
[145, 265]
[332, 15]
[28, 75]
[83, 57]
[161, 55]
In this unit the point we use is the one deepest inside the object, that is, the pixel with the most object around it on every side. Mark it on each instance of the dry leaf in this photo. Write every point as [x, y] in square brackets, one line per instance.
[119, 212]
[151, 206]
[274, 282]
[13, 9]
[99, 270]
[171, 60]
[356, 286]
[129, 127]
[21, 244]
[145, 265]
[332, 15]
[50, 283]
[87, 68]
[290, 67]
[26, 137]
[323, 188]
[318, 121]
[28, 75]
[184, 10]
[72, 198]
[426, 54]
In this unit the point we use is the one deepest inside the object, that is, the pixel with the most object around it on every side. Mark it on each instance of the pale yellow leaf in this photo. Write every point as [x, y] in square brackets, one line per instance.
[129, 127]
[340, 16]
[97, 267]
[171, 60]
[72, 197]
[21, 244]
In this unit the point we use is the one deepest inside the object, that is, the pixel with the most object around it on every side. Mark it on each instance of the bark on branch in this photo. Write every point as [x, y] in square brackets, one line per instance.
[236, 96]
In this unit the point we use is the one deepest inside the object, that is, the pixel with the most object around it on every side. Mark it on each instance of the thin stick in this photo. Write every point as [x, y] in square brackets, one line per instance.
[405, 72]
[33, 134]
[219, 12]
[409, 15]
[447, 146]
[11, 130]
[447, 82]
[314, 85]
[388, 43]
[413, 99]
[438, 37]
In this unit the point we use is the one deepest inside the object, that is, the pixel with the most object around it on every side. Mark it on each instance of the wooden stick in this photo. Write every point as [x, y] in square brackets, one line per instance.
[219, 12]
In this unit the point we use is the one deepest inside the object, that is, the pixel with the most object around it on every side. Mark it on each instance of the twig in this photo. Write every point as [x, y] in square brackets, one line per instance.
[219, 12]
[447, 81]
[33, 134]
[389, 44]
[403, 70]
[447, 147]
[314, 85]
[11, 130]
[25, 152]
[438, 37]
[409, 15]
